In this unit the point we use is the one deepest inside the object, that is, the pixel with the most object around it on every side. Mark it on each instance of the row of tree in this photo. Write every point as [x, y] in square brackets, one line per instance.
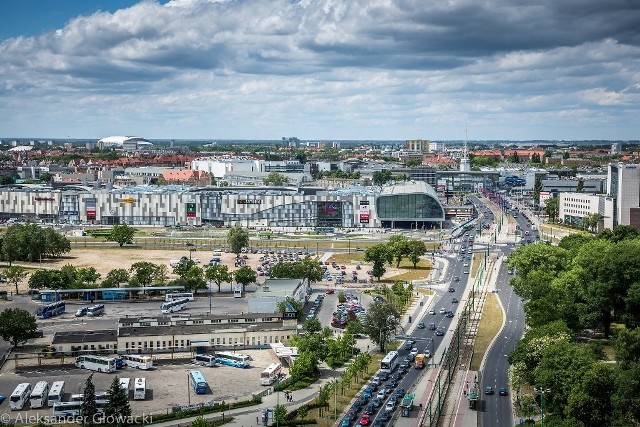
[30, 242]
[395, 250]
[585, 284]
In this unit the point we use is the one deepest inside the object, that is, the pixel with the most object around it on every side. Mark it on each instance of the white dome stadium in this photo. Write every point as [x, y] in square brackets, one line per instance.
[120, 141]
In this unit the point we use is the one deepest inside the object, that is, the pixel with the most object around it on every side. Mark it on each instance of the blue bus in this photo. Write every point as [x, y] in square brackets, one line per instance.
[197, 381]
[50, 310]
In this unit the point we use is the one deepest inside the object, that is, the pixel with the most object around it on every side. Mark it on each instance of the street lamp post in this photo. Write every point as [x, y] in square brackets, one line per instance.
[542, 392]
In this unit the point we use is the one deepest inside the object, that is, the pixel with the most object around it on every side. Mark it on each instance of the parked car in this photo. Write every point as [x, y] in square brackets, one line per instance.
[82, 311]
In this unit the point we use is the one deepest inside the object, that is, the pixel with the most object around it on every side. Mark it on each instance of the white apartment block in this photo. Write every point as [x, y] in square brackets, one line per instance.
[623, 185]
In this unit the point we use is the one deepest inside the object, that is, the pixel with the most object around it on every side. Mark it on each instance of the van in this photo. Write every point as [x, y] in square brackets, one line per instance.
[81, 311]
[432, 326]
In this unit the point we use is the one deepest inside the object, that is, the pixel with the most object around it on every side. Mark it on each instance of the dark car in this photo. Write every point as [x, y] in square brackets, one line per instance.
[399, 392]
[376, 402]
[452, 289]
[454, 300]
[421, 325]
[488, 390]
[502, 391]
[439, 332]
[449, 314]
[383, 375]
[385, 415]
[369, 409]
[378, 423]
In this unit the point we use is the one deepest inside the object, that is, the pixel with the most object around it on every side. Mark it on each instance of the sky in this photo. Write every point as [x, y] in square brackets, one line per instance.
[321, 69]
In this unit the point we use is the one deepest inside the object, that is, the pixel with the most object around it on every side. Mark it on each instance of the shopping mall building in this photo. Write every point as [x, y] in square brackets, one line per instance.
[411, 204]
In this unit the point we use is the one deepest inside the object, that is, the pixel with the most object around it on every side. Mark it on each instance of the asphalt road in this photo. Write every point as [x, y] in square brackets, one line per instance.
[498, 410]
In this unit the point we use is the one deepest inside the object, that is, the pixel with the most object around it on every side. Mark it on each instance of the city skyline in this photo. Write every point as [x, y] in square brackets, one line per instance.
[330, 70]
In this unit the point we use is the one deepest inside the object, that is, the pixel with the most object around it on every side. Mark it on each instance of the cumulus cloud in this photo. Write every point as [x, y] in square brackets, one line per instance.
[330, 69]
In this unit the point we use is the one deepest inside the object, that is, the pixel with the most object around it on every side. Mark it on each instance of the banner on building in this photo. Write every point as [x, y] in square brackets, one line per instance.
[91, 209]
[364, 212]
[191, 210]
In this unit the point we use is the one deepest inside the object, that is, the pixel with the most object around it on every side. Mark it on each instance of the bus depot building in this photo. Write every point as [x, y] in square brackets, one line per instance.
[410, 203]
[168, 334]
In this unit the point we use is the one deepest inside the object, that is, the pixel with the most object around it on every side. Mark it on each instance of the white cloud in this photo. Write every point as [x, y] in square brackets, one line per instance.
[328, 69]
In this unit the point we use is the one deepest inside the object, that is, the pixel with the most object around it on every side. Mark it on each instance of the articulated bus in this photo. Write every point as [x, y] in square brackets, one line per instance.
[389, 362]
[56, 392]
[204, 360]
[96, 363]
[233, 359]
[137, 361]
[38, 397]
[20, 396]
[140, 389]
[197, 381]
[271, 374]
[96, 310]
[176, 305]
[172, 296]
[50, 310]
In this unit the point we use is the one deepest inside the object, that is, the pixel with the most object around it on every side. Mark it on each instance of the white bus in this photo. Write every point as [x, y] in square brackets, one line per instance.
[137, 361]
[20, 396]
[237, 290]
[177, 295]
[271, 374]
[38, 397]
[72, 409]
[124, 385]
[96, 310]
[56, 392]
[390, 361]
[175, 305]
[100, 395]
[140, 389]
[204, 360]
[233, 359]
[96, 363]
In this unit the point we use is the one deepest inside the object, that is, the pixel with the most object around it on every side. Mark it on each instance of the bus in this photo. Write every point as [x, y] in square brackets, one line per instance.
[271, 374]
[204, 360]
[389, 362]
[50, 310]
[197, 381]
[237, 290]
[38, 397]
[100, 395]
[137, 361]
[56, 392]
[72, 409]
[175, 305]
[233, 359]
[96, 363]
[96, 310]
[172, 296]
[124, 385]
[20, 396]
[140, 389]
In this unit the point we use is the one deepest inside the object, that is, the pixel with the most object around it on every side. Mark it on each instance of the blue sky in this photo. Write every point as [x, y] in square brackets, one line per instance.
[320, 69]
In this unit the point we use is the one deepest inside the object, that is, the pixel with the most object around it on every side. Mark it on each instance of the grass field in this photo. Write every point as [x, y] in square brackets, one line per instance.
[422, 270]
[490, 325]
[347, 258]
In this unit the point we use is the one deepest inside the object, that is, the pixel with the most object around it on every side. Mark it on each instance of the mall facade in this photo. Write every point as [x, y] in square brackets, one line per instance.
[412, 204]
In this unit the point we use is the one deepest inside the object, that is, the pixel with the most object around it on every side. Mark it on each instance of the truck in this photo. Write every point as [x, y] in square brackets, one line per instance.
[421, 361]
[473, 397]
[407, 404]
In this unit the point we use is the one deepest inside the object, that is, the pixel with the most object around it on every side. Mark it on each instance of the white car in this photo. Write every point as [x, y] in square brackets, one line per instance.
[390, 406]
[466, 264]
[413, 351]
[443, 310]
[381, 394]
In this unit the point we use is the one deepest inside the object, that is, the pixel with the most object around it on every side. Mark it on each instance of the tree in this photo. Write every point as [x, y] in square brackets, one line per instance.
[183, 267]
[412, 163]
[275, 178]
[88, 276]
[513, 157]
[398, 247]
[193, 280]
[280, 414]
[535, 158]
[30, 242]
[15, 275]
[417, 248]
[142, 273]
[121, 233]
[537, 188]
[286, 304]
[552, 208]
[379, 255]
[89, 409]
[46, 279]
[381, 177]
[217, 274]
[117, 407]
[46, 177]
[161, 275]
[237, 238]
[245, 276]
[580, 186]
[17, 326]
[380, 323]
[115, 277]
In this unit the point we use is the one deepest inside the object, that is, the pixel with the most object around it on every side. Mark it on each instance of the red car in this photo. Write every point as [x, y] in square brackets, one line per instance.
[329, 291]
[365, 420]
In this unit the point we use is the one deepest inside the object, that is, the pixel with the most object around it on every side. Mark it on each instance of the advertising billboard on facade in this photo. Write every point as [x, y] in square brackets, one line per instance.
[329, 213]
[91, 209]
[364, 212]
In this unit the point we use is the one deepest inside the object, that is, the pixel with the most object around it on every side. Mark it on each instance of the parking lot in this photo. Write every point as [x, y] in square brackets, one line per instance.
[167, 384]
